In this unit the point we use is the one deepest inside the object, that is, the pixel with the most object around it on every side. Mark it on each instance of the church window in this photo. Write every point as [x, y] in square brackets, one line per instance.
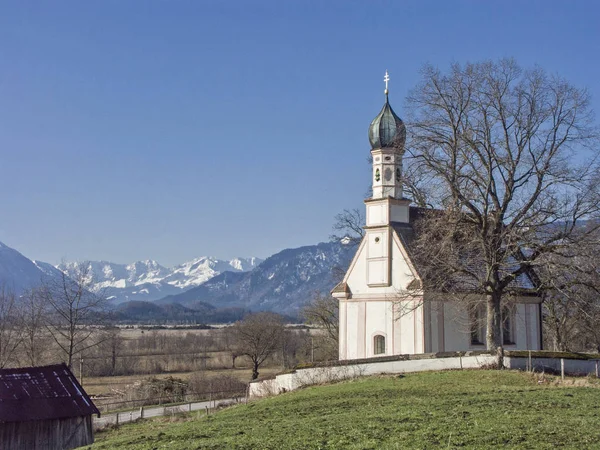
[398, 174]
[377, 175]
[477, 319]
[387, 158]
[379, 342]
[507, 327]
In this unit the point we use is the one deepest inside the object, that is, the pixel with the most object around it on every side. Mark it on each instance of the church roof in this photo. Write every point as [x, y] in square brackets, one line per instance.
[387, 129]
[408, 235]
[342, 288]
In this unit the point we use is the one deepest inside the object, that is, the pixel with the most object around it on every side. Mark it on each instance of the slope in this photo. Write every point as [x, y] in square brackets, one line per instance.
[18, 273]
[467, 409]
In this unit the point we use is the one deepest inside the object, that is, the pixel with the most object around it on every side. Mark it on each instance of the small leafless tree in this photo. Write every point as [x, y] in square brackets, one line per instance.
[322, 311]
[348, 225]
[229, 341]
[498, 143]
[72, 310]
[258, 336]
[33, 316]
[11, 332]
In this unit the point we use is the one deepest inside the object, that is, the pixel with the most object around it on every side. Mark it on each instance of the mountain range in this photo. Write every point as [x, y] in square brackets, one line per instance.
[148, 280]
[281, 283]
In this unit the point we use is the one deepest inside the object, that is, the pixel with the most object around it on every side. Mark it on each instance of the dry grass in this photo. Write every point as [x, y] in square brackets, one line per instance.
[112, 385]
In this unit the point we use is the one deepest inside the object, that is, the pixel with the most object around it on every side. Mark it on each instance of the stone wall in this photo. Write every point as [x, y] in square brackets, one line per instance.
[343, 370]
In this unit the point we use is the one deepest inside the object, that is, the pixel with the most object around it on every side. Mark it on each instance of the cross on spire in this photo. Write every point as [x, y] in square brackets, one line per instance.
[386, 79]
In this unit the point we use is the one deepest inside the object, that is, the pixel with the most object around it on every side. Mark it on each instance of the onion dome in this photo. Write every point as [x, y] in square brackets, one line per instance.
[387, 129]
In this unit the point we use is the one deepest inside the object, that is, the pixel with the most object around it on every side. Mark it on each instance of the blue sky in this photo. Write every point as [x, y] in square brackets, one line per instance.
[168, 130]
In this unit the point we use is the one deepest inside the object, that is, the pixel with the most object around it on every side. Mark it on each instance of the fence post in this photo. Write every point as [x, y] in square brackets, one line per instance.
[209, 399]
[117, 419]
[562, 368]
[596, 368]
[529, 362]
[142, 412]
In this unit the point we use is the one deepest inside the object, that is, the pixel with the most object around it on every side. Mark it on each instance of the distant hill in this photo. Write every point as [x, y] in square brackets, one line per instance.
[151, 313]
[282, 283]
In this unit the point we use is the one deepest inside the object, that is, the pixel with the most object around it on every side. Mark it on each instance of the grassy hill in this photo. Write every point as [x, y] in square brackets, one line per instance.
[469, 409]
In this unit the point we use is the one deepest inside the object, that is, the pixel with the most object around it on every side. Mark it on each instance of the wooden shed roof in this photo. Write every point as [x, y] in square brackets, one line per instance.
[41, 393]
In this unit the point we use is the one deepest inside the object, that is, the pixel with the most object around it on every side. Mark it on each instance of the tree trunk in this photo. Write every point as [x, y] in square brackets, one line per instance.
[114, 361]
[254, 370]
[493, 322]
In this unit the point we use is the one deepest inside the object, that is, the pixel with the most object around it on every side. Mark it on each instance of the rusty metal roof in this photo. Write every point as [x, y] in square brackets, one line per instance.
[40, 393]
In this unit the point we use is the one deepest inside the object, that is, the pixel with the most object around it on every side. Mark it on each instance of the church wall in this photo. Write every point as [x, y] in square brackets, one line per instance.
[419, 328]
[456, 327]
[379, 320]
[434, 327]
[520, 327]
[343, 330]
[526, 327]
[358, 272]
[352, 330]
[407, 327]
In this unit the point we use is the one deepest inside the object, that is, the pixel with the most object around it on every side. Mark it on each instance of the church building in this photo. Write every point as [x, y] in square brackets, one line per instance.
[383, 310]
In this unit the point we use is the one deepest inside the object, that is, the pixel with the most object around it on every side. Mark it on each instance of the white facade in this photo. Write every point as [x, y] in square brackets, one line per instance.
[376, 299]
[382, 310]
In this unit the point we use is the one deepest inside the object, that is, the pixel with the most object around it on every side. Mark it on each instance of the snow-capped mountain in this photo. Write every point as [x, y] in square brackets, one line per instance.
[148, 280]
[282, 283]
[18, 273]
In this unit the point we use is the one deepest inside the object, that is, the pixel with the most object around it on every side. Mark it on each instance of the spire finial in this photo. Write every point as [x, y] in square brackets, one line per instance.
[386, 79]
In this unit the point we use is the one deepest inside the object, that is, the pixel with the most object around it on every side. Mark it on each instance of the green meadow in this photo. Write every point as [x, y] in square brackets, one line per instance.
[451, 409]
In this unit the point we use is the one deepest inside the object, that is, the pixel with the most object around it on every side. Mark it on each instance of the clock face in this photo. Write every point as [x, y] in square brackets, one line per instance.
[387, 174]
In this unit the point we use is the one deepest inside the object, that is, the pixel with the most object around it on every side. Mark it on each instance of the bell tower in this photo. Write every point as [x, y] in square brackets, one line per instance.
[387, 135]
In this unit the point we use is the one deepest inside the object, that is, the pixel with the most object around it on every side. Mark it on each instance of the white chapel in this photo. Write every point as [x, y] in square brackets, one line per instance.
[383, 310]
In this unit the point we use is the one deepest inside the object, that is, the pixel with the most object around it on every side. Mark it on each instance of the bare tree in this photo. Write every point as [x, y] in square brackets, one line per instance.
[11, 333]
[72, 309]
[33, 326]
[228, 337]
[349, 225]
[498, 143]
[258, 336]
[322, 311]
[571, 283]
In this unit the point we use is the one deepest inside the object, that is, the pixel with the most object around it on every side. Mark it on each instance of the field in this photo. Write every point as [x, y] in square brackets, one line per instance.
[110, 385]
[467, 409]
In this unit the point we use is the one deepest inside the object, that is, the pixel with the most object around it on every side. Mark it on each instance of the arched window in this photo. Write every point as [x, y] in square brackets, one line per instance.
[477, 318]
[379, 342]
[507, 327]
